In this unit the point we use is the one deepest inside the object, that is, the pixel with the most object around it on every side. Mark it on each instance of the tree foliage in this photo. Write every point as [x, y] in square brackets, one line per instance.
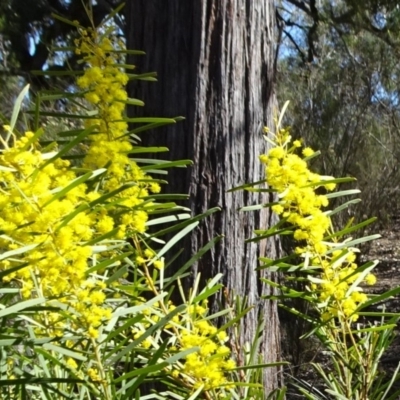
[29, 33]
[339, 67]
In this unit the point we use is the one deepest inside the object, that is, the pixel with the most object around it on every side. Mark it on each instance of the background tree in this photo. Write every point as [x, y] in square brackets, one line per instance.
[215, 64]
[28, 34]
[339, 66]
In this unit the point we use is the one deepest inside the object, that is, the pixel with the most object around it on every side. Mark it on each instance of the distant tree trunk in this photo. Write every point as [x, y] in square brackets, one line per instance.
[215, 65]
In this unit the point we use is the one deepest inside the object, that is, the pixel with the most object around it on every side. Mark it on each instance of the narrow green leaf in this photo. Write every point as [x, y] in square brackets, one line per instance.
[72, 132]
[33, 139]
[18, 251]
[156, 172]
[9, 290]
[9, 271]
[59, 96]
[181, 225]
[353, 228]
[83, 207]
[63, 115]
[102, 199]
[379, 298]
[195, 394]
[149, 76]
[375, 328]
[118, 275]
[106, 263]
[141, 307]
[180, 235]
[342, 193]
[69, 146]
[36, 114]
[63, 48]
[255, 207]
[133, 52]
[112, 14]
[342, 207]
[121, 329]
[151, 120]
[395, 377]
[170, 218]
[7, 169]
[132, 102]
[62, 192]
[353, 243]
[313, 321]
[154, 328]
[56, 73]
[65, 20]
[136, 382]
[284, 231]
[315, 154]
[37, 381]
[362, 274]
[180, 163]
[217, 315]
[17, 106]
[378, 314]
[208, 292]
[20, 306]
[334, 180]
[237, 318]
[64, 351]
[104, 236]
[248, 185]
[278, 394]
[163, 208]
[181, 354]
[149, 127]
[137, 150]
[156, 161]
[336, 395]
[260, 366]
[288, 292]
[193, 260]
[281, 114]
[166, 197]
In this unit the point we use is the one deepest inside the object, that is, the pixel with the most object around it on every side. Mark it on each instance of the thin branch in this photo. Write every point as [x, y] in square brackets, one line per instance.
[14, 72]
[301, 5]
[290, 37]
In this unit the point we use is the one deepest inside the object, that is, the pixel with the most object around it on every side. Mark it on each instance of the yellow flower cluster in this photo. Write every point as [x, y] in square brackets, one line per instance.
[104, 82]
[57, 267]
[147, 256]
[288, 174]
[207, 366]
[31, 215]
[301, 207]
[338, 273]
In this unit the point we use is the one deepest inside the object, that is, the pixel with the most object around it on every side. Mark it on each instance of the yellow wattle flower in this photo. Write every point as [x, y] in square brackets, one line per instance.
[289, 176]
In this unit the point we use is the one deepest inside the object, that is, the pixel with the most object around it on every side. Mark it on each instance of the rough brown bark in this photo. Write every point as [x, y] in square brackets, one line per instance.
[215, 65]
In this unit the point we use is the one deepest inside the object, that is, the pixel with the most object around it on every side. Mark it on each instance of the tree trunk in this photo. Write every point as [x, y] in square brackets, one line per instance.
[215, 65]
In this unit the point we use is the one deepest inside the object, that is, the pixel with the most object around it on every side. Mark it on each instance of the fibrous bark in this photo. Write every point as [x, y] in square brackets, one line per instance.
[215, 65]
